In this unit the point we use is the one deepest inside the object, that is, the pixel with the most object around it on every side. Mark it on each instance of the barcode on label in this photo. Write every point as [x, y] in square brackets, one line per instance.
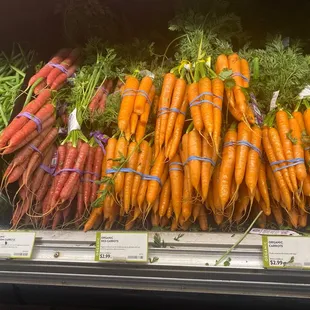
[135, 257]
[20, 254]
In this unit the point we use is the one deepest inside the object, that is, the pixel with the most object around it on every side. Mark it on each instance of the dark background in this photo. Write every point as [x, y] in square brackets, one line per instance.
[40, 24]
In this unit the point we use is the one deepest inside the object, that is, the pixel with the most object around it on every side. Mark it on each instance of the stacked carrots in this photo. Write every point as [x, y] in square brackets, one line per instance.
[55, 73]
[136, 106]
[206, 168]
[236, 86]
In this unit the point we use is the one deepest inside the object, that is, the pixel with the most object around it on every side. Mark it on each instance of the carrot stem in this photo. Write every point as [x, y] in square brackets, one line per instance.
[33, 86]
[239, 241]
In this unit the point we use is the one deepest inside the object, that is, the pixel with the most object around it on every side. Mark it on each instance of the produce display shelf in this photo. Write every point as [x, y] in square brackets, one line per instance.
[66, 258]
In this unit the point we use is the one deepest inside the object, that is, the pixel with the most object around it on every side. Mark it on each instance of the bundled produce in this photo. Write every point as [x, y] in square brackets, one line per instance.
[211, 137]
[55, 73]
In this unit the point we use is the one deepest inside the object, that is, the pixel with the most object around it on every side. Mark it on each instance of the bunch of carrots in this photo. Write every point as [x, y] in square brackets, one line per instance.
[137, 98]
[198, 166]
[55, 73]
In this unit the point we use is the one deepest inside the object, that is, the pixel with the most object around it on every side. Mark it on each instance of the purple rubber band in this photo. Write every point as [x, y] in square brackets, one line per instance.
[69, 170]
[105, 90]
[92, 173]
[32, 118]
[47, 169]
[58, 66]
[100, 138]
[35, 149]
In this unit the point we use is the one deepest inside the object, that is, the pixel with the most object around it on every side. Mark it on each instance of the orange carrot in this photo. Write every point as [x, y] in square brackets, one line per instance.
[165, 197]
[121, 150]
[284, 130]
[221, 63]
[216, 190]
[142, 95]
[278, 151]
[285, 194]
[127, 104]
[177, 99]
[144, 183]
[253, 162]
[142, 159]
[165, 101]
[235, 66]
[245, 71]
[194, 149]
[241, 204]
[203, 219]
[187, 185]
[133, 154]
[227, 165]
[205, 169]
[306, 186]
[157, 170]
[218, 93]
[176, 177]
[242, 151]
[193, 93]
[277, 213]
[204, 86]
[275, 191]
[196, 210]
[298, 151]
[175, 139]
[134, 118]
[263, 188]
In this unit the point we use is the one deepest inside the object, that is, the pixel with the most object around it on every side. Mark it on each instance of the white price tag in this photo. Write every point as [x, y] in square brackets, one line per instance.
[16, 244]
[73, 123]
[305, 92]
[273, 102]
[261, 231]
[286, 252]
[122, 246]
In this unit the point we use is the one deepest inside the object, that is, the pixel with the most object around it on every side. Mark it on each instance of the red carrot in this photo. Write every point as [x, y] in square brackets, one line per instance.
[97, 173]
[88, 176]
[72, 153]
[43, 72]
[47, 125]
[67, 63]
[62, 78]
[33, 107]
[44, 186]
[39, 173]
[27, 150]
[74, 176]
[44, 113]
[102, 102]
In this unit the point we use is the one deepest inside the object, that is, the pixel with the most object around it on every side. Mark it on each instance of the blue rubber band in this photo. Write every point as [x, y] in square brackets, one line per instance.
[253, 147]
[205, 159]
[148, 177]
[175, 163]
[241, 75]
[143, 176]
[292, 162]
[229, 143]
[133, 92]
[175, 169]
[126, 170]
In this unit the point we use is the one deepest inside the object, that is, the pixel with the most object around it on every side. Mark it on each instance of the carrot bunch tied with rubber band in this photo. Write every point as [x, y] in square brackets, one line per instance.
[236, 74]
[56, 72]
